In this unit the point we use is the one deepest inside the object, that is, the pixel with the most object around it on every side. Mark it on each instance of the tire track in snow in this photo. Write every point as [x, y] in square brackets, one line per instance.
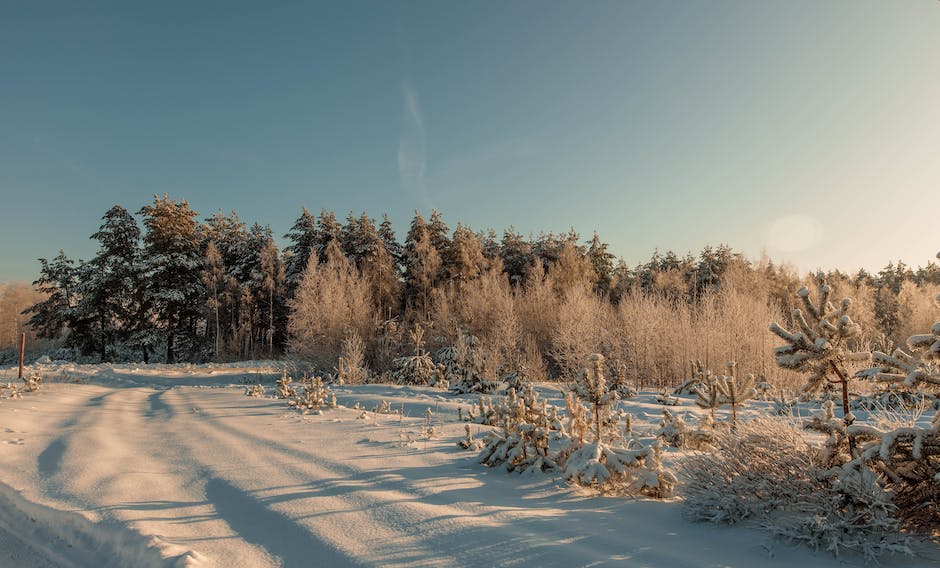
[280, 536]
[345, 520]
[406, 522]
[121, 468]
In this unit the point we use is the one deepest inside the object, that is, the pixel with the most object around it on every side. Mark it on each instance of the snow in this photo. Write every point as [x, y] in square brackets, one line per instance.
[137, 465]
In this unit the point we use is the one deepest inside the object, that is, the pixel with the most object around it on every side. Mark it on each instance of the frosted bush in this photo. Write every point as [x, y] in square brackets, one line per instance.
[767, 473]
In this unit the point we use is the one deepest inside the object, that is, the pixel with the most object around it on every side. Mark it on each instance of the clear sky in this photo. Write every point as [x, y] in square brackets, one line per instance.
[807, 129]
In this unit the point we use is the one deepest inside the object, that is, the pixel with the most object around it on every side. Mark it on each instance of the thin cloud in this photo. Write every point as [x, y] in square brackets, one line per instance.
[412, 147]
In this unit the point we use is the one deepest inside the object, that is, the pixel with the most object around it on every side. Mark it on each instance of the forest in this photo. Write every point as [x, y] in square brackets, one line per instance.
[175, 288]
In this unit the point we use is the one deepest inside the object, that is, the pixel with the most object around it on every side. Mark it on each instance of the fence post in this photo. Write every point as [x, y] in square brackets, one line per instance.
[22, 352]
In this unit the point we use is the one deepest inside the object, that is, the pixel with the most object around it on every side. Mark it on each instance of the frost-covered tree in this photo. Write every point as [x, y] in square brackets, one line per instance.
[331, 300]
[522, 444]
[591, 387]
[599, 463]
[313, 397]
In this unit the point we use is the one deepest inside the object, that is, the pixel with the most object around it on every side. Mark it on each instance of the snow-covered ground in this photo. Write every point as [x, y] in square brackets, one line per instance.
[161, 465]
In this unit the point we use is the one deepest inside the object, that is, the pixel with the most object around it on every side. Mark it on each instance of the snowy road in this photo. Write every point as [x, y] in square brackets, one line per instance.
[210, 477]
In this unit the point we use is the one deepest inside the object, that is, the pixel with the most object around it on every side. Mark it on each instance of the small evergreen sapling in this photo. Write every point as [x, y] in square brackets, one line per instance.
[819, 345]
[283, 388]
[733, 391]
[418, 369]
[599, 464]
[256, 391]
[314, 397]
[523, 442]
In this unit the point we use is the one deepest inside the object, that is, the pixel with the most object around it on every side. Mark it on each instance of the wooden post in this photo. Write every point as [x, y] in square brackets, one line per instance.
[22, 352]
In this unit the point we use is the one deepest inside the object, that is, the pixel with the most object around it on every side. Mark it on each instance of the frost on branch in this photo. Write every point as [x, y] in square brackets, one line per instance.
[919, 366]
[818, 346]
[908, 458]
[909, 461]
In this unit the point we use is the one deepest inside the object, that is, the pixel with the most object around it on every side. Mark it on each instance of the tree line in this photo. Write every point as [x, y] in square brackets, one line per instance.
[177, 288]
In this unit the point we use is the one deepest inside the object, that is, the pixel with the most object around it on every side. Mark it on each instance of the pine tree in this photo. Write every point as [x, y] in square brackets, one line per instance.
[603, 264]
[465, 260]
[110, 283]
[303, 239]
[173, 266]
[516, 254]
[57, 279]
[422, 266]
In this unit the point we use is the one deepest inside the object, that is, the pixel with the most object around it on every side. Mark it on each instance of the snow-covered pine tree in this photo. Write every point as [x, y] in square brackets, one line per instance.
[419, 368]
[173, 266]
[908, 458]
[708, 395]
[819, 345]
[516, 254]
[522, 444]
[464, 258]
[422, 266]
[112, 283]
[302, 237]
[314, 397]
[58, 281]
[283, 388]
[599, 464]
[465, 366]
[602, 262]
[734, 390]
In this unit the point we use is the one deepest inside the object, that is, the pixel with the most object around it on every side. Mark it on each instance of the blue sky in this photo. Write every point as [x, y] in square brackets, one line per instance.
[806, 129]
